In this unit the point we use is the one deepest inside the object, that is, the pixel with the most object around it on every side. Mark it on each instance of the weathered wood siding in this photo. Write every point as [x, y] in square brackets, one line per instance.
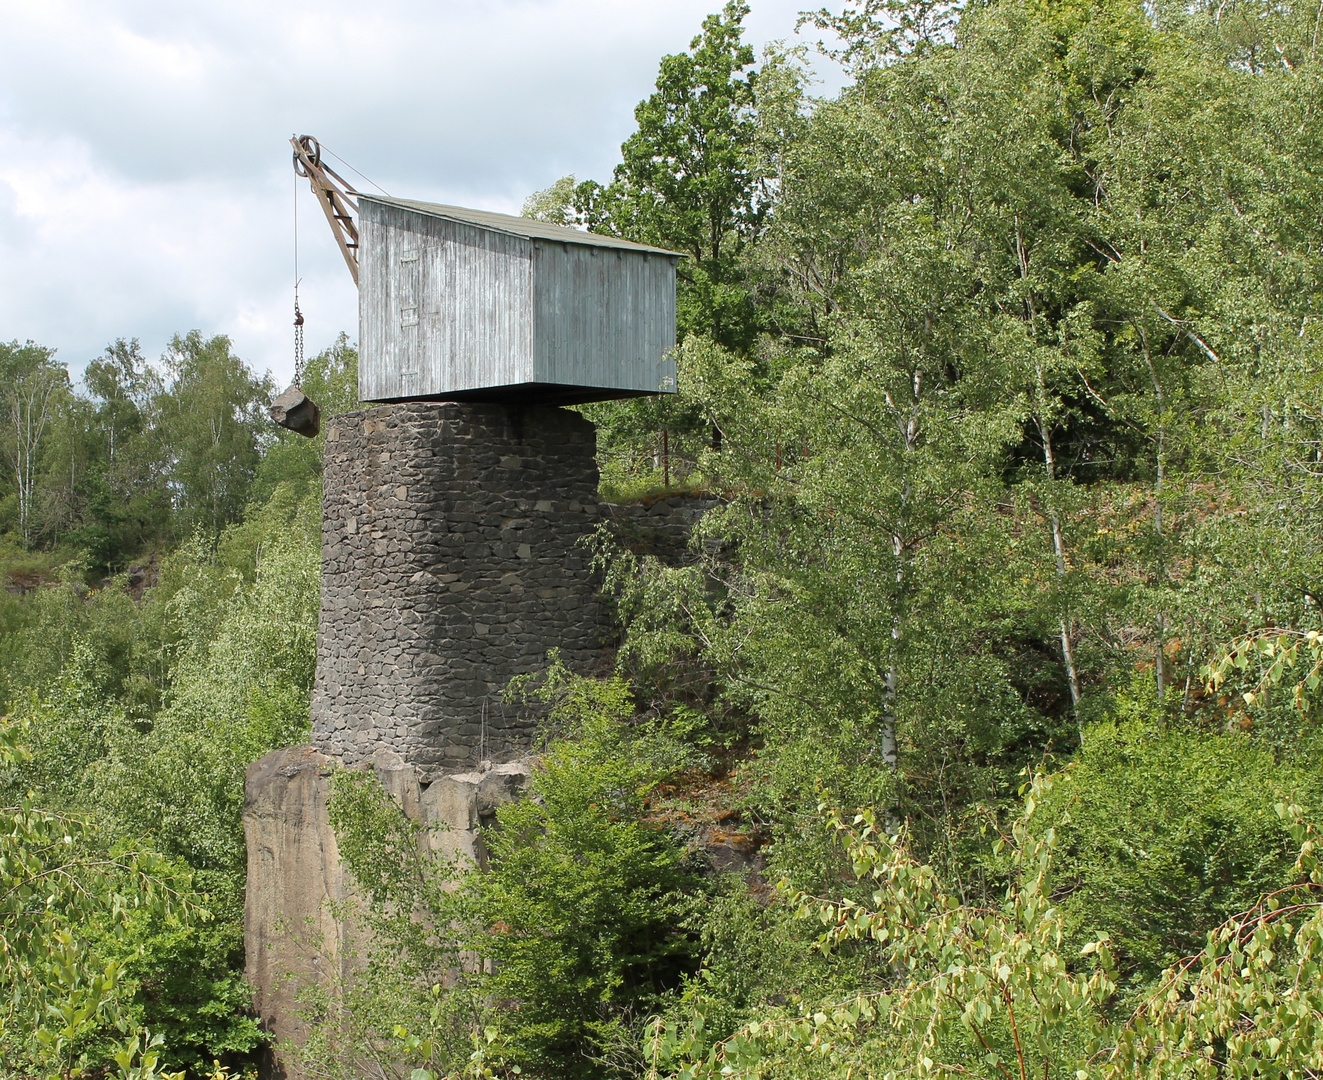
[605, 318]
[443, 306]
[449, 307]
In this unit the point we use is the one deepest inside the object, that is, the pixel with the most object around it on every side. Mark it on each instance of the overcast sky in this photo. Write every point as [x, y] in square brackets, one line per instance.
[145, 177]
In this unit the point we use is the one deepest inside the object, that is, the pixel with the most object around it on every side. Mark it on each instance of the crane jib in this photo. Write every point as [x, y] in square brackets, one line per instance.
[294, 409]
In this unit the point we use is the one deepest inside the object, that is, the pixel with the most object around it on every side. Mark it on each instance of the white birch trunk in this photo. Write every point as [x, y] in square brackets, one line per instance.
[1058, 543]
[29, 412]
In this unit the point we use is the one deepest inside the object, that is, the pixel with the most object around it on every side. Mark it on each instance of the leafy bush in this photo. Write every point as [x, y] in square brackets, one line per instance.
[996, 990]
[141, 717]
[68, 909]
[1165, 834]
[587, 908]
[183, 981]
[243, 653]
[958, 989]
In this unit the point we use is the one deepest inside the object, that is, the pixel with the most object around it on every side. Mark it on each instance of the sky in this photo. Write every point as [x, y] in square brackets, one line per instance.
[146, 187]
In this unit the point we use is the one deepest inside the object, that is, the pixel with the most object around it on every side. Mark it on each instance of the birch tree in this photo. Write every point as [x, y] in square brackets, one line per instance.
[212, 430]
[34, 386]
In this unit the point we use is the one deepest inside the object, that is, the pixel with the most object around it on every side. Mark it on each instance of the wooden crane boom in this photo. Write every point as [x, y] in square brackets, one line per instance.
[334, 195]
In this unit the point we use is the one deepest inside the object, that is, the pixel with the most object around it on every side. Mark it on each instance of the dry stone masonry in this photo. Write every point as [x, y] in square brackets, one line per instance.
[663, 527]
[452, 561]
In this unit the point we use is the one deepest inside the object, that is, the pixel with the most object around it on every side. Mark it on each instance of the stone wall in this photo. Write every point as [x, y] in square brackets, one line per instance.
[451, 562]
[662, 526]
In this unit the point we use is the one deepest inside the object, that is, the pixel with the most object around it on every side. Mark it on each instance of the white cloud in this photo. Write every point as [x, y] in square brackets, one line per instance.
[145, 185]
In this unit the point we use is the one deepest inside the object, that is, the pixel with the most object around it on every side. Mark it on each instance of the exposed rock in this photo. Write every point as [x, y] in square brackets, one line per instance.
[294, 935]
[459, 806]
[731, 851]
[140, 577]
[399, 779]
[299, 929]
[295, 410]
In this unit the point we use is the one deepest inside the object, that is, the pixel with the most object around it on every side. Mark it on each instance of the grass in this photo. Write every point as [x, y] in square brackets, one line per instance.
[619, 486]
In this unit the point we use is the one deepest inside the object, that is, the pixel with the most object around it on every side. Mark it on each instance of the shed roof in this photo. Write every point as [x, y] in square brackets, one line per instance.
[529, 228]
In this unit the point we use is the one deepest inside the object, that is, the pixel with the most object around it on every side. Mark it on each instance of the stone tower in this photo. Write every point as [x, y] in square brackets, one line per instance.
[453, 559]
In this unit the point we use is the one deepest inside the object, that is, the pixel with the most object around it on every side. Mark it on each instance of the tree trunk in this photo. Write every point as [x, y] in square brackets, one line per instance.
[1160, 622]
[1058, 544]
[29, 412]
[909, 432]
[1050, 468]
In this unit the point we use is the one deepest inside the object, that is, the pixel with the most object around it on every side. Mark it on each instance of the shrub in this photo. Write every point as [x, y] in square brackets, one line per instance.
[1164, 834]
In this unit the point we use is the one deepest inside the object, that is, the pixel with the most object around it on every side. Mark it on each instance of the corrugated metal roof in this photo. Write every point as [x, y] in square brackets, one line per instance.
[530, 228]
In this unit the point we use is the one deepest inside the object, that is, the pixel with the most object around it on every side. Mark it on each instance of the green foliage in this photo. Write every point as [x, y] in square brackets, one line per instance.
[687, 180]
[586, 904]
[554, 204]
[184, 982]
[1248, 1005]
[1276, 654]
[959, 989]
[150, 712]
[1020, 440]
[966, 990]
[143, 699]
[125, 503]
[69, 908]
[1152, 822]
[876, 32]
[136, 456]
[35, 389]
[692, 180]
[240, 653]
[212, 426]
[141, 718]
[601, 717]
[1006, 448]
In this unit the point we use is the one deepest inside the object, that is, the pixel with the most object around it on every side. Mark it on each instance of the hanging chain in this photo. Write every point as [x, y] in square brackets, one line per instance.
[298, 341]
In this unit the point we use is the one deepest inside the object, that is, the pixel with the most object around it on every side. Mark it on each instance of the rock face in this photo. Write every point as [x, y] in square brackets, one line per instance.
[299, 927]
[451, 562]
[295, 934]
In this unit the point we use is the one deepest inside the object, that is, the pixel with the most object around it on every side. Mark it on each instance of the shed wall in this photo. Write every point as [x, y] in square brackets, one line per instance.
[443, 306]
[605, 318]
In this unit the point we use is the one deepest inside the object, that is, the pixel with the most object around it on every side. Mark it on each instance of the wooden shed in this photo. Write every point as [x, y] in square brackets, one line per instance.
[459, 304]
